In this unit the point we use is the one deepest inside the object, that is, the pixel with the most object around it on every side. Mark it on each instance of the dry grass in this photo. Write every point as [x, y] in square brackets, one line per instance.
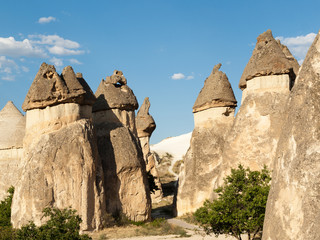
[154, 228]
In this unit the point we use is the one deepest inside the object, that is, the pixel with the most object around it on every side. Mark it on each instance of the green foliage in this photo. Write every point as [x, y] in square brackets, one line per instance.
[61, 224]
[241, 203]
[5, 209]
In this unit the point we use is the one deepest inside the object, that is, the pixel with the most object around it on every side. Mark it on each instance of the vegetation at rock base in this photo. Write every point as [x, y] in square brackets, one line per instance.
[61, 224]
[240, 206]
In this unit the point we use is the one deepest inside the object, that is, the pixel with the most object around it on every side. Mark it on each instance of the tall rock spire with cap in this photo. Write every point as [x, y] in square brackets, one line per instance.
[61, 165]
[124, 168]
[293, 207]
[213, 116]
[145, 126]
[12, 129]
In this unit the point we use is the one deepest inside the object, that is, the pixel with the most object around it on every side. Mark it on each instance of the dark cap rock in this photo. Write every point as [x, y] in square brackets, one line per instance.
[145, 123]
[114, 93]
[216, 92]
[268, 58]
[49, 89]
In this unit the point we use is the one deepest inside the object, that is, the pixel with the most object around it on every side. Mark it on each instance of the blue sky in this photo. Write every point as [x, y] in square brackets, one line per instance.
[166, 49]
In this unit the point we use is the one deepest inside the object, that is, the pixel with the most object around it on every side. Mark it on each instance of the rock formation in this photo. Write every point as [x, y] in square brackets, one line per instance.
[61, 165]
[266, 83]
[145, 126]
[213, 117]
[12, 129]
[293, 206]
[125, 176]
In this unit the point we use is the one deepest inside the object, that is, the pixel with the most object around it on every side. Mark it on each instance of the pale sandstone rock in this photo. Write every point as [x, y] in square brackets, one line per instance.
[124, 168]
[293, 206]
[61, 165]
[212, 124]
[269, 58]
[145, 126]
[12, 130]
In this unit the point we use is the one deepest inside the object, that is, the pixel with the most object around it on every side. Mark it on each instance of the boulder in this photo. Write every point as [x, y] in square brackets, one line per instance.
[60, 166]
[293, 205]
[213, 115]
[125, 176]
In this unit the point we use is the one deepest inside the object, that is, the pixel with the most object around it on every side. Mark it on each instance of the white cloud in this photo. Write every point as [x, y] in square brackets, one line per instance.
[43, 20]
[178, 76]
[8, 78]
[64, 51]
[6, 65]
[56, 61]
[74, 61]
[12, 48]
[298, 45]
[190, 77]
[25, 69]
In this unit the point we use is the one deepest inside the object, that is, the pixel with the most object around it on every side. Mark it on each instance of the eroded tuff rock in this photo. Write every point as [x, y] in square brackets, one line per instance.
[114, 93]
[269, 58]
[212, 124]
[61, 165]
[216, 92]
[124, 168]
[49, 89]
[293, 206]
[145, 126]
[12, 129]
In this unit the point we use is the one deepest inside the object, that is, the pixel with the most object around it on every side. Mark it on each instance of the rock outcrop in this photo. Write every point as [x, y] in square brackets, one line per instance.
[213, 117]
[61, 165]
[12, 129]
[253, 138]
[293, 206]
[145, 126]
[124, 168]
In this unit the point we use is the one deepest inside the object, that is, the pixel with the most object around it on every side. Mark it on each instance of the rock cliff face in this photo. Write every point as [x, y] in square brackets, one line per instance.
[145, 126]
[213, 116]
[61, 166]
[124, 168]
[12, 129]
[293, 206]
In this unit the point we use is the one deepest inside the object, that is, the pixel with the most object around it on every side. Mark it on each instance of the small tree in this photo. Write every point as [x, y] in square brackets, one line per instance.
[5, 209]
[241, 203]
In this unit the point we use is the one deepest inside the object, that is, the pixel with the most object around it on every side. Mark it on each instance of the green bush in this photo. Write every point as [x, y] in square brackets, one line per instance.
[5, 209]
[62, 224]
[240, 207]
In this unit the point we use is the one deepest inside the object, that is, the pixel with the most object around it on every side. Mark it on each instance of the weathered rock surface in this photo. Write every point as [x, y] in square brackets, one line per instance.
[61, 165]
[268, 58]
[12, 130]
[114, 93]
[145, 126]
[50, 89]
[124, 168]
[211, 129]
[216, 92]
[293, 206]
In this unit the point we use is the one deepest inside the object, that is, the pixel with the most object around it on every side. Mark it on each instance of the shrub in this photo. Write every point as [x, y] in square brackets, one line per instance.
[5, 209]
[240, 207]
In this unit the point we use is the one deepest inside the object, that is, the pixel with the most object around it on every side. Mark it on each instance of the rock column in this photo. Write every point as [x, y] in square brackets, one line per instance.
[61, 166]
[124, 168]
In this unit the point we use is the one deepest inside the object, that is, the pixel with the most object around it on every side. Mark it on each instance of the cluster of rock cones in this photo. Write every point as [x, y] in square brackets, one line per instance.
[91, 152]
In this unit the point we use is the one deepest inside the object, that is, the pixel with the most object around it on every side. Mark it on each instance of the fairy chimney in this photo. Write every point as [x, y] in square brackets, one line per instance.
[60, 166]
[125, 176]
[213, 117]
[12, 129]
[145, 126]
[293, 206]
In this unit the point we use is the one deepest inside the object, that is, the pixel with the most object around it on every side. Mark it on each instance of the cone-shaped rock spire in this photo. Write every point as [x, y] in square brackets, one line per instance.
[293, 202]
[216, 92]
[12, 127]
[115, 93]
[144, 121]
[268, 58]
[49, 88]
